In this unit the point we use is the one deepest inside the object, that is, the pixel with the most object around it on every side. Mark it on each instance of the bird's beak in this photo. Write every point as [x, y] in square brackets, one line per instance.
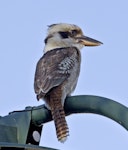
[87, 41]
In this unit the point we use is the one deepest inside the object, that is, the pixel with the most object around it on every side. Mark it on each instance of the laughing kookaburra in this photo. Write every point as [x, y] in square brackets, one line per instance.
[58, 70]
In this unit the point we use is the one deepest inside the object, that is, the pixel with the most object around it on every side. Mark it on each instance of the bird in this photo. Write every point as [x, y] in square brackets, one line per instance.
[57, 71]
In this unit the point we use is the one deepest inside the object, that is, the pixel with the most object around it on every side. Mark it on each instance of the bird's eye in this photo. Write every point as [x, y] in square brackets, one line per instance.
[64, 35]
[74, 32]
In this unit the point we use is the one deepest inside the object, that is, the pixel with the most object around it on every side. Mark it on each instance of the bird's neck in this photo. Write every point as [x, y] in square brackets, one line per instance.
[49, 47]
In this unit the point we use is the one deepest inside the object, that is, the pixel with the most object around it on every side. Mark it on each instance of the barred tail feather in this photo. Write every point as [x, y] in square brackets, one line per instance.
[58, 116]
[60, 124]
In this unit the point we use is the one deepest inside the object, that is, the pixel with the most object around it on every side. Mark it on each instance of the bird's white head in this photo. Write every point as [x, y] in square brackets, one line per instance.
[67, 35]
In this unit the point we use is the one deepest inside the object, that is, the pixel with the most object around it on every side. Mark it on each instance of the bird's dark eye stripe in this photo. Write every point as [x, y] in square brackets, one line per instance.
[74, 32]
[64, 35]
[46, 39]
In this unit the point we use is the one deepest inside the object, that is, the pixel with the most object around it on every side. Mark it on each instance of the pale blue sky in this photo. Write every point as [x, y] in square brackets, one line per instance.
[104, 72]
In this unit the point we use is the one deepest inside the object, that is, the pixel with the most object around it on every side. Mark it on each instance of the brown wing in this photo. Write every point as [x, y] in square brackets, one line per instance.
[53, 68]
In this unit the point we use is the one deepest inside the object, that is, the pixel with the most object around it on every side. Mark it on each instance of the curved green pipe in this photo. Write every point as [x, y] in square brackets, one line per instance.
[86, 104]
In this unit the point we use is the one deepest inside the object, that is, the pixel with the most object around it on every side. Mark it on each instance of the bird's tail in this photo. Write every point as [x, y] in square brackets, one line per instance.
[58, 116]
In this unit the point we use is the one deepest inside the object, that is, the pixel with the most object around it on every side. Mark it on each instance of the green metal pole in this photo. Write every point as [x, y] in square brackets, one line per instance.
[86, 104]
